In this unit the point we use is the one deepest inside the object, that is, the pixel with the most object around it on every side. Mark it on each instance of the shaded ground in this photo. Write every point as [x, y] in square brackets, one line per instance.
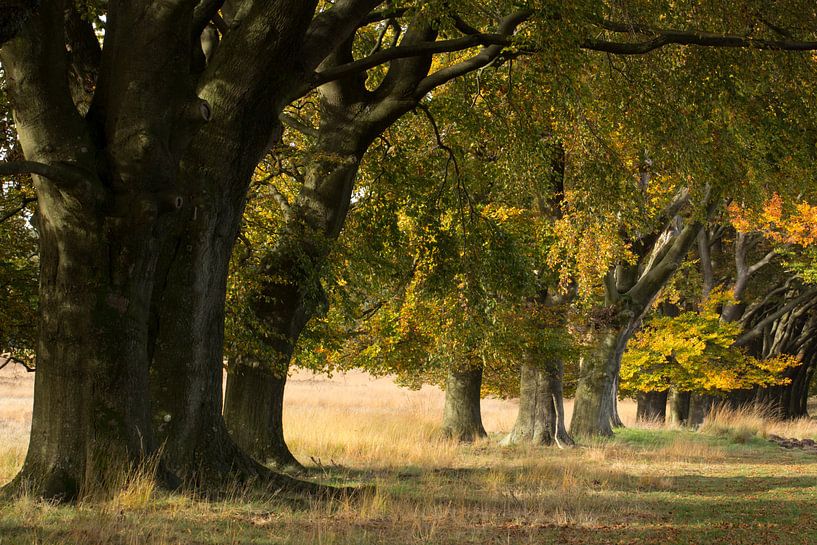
[646, 486]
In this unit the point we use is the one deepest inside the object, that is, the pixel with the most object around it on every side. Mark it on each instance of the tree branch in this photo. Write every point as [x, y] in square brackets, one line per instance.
[203, 13]
[656, 276]
[758, 328]
[25, 202]
[296, 123]
[706, 263]
[334, 26]
[377, 16]
[485, 57]
[663, 37]
[762, 263]
[54, 172]
[405, 51]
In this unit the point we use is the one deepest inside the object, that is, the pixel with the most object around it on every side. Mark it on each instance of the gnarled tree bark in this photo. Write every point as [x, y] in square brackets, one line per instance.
[540, 420]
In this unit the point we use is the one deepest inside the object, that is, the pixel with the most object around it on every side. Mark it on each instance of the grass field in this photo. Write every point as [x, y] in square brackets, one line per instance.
[726, 484]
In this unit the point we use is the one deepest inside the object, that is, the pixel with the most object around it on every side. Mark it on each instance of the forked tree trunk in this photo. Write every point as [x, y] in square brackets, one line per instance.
[629, 292]
[462, 418]
[102, 218]
[652, 407]
[540, 420]
[679, 407]
[594, 407]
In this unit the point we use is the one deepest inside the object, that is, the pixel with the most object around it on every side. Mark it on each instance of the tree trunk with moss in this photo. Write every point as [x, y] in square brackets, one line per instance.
[593, 409]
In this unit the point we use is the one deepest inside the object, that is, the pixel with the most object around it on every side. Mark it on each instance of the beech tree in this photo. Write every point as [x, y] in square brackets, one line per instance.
[142, 124]
[141, 178]
[351, 116]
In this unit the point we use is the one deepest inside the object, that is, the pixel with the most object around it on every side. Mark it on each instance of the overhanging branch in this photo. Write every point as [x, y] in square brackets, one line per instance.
[757, 329]
[658, 38]
[406, 51]
[486, 56]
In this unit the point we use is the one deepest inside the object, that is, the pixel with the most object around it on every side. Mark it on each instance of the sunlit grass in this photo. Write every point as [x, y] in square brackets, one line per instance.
[647, 485]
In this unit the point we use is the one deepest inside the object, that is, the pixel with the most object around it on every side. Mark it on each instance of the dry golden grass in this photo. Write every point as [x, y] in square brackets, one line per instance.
[356, 419]
[649, 485]
[747, 422]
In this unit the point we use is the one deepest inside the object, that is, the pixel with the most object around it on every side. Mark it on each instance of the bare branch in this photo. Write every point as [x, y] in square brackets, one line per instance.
[656, 276]
[282, 201]
[781, 288]
[762, 263]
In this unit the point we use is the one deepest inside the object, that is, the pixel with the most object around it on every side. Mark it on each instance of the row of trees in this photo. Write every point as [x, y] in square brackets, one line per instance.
[501, 215]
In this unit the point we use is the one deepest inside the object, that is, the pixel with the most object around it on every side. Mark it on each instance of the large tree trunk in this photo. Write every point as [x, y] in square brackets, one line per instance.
[540, 420]
[679, 407]
[630, 290]
[700, 406]
[254, 408]
[91, 413]
[187, 363]
[187, 368]
[103, 212]
[652, 407]
[351, 118]
[593, 409]
[289, 295]
[462, 418]
[291, 291]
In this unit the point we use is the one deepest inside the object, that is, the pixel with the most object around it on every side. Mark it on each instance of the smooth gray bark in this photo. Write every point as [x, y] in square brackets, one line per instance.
[462, 417]
[630, 291]
[679, 407]
[540, 420]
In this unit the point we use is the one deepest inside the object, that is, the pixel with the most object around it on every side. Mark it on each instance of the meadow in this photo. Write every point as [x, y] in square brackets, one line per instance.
[651, 484]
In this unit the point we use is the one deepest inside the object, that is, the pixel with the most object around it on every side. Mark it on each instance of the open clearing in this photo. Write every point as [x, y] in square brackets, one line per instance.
[727, 485]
